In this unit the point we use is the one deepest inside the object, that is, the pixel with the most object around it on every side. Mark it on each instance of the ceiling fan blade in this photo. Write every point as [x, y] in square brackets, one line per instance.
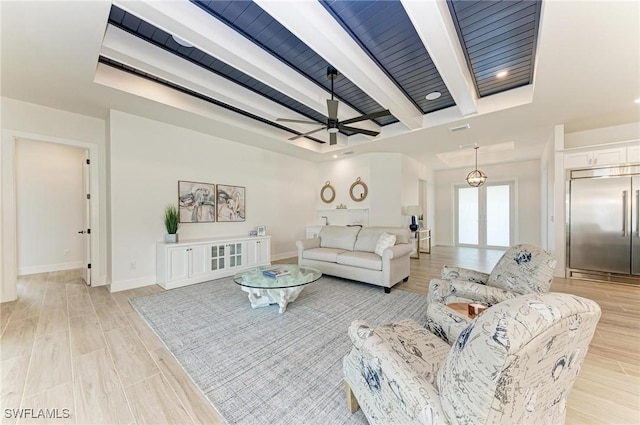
[370, 116]
[332, 107]
[333, 139]
[298, 121]
[358, 130]
[307, 133]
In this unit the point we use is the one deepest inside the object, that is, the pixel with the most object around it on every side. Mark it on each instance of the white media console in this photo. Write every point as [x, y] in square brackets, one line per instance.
[199, 260]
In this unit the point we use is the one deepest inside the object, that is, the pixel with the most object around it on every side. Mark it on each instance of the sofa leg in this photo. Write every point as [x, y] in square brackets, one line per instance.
[405, 279]
[387, 290]
[352, 402]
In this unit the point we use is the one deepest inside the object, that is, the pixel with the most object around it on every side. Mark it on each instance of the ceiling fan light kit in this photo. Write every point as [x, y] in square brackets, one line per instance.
[333, 125]
[476, 177]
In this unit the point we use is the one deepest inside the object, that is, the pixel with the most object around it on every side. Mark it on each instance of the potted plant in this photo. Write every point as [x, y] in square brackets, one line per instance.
[171, 219]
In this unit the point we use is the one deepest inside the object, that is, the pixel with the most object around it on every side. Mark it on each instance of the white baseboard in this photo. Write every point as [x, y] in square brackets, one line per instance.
[284, 255]
[50, 268]
[123, 285]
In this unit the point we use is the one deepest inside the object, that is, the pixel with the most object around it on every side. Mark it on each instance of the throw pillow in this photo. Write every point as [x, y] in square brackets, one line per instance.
[385, 241]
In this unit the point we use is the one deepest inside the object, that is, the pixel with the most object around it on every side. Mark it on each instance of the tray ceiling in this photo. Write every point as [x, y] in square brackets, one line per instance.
[269, 60]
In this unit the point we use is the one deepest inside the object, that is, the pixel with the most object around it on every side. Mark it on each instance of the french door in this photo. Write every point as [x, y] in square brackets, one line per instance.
[485, 215]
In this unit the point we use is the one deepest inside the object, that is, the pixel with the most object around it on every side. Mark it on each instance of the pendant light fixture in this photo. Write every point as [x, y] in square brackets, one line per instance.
[476, 177]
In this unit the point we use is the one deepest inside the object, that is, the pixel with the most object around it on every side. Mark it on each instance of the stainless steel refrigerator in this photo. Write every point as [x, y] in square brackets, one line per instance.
[604, 230]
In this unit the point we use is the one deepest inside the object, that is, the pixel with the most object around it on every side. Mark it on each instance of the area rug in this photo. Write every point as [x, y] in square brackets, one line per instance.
[257, 366]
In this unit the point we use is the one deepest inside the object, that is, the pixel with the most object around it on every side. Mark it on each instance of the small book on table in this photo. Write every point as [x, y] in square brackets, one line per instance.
[273, 273]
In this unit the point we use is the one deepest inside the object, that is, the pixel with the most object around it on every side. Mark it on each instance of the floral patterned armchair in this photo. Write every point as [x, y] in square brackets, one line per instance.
[522, 269]
[513, 364]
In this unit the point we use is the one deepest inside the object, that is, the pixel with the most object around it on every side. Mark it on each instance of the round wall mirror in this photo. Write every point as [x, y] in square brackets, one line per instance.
[327, 193]
[358, 190]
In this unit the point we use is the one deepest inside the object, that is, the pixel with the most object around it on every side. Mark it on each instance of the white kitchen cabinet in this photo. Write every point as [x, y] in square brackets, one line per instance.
[633, 154]
[595, 158]
[196, 261]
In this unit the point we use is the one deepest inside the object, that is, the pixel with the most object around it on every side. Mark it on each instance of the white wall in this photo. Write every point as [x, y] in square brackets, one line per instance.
[602, 136]
[410, 185]
[429, 197]
[386, 195]
[50, 206]
[35, 122]
[342, 174]
[526, 175]
[392, 180]
[147, 160]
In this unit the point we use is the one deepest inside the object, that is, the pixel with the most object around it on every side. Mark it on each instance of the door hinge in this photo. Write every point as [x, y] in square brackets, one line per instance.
[88, 196]
[88, 161]
[88, 231]
[89, 265]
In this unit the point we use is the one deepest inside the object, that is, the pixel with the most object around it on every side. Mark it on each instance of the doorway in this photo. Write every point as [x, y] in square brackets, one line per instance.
[485, 215]
[51, 207]
[9, 263]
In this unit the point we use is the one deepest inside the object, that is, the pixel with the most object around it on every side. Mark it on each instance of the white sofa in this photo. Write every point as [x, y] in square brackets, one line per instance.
[349, 252]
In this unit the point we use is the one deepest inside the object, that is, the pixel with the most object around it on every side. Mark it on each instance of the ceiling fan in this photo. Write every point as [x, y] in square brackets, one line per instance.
[333, 125]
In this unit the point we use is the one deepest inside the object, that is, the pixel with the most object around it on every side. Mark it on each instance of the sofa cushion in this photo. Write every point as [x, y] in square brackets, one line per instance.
[323, 254]
[386, 240]
[364, 260]
[341, 237]
[368, 237]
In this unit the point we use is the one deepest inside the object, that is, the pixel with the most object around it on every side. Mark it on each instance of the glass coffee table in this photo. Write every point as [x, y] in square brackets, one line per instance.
[264, 290]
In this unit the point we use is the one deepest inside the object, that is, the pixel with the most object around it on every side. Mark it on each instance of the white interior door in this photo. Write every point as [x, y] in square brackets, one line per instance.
[86, 220]
[484, 215]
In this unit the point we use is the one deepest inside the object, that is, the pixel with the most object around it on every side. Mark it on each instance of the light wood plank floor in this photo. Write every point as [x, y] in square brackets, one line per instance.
[64, 345]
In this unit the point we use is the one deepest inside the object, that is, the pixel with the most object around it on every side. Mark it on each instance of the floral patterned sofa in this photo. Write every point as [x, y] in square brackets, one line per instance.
[513, 364]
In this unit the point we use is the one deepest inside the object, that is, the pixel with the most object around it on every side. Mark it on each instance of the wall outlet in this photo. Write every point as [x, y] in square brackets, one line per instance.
[132, 265]
[67, 253]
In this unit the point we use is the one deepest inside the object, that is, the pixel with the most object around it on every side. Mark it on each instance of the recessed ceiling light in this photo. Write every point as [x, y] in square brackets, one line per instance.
[335, 156]
[433, 95]
[181, 41]
[637, 100]
[502, 74]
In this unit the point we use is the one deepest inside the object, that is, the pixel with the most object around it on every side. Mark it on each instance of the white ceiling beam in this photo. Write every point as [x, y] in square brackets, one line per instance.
[314, 26]
[130, 50]
[435, 27]
[208, 34]
[147, 89]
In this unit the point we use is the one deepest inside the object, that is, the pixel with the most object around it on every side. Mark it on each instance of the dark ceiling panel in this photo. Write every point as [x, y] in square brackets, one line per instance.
[158, 37]
[255, 24]
[495, 36]
[385, 32]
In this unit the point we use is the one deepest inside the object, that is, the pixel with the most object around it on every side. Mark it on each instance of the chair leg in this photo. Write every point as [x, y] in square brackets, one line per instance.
[387, 290]
[352, 402]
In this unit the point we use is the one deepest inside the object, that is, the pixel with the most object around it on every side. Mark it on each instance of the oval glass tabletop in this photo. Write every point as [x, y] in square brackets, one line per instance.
[277, 276]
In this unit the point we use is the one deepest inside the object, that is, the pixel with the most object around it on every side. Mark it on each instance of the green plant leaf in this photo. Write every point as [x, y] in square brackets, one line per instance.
[171, 219]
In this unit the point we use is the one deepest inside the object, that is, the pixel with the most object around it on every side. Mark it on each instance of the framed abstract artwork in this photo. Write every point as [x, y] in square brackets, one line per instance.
[231, 203]
[196, 202]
